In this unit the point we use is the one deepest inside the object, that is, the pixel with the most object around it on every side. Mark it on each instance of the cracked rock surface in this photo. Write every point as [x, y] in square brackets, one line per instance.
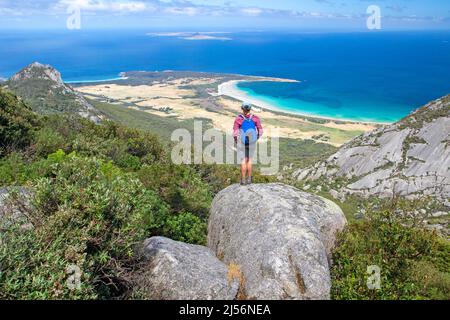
[410, 158]
[280, 237]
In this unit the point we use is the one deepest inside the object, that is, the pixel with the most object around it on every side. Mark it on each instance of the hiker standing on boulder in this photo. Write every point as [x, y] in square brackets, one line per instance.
[248, 127]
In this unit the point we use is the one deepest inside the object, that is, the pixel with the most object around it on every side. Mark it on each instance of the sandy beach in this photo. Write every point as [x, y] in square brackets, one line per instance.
[230, 89]
[216, 98]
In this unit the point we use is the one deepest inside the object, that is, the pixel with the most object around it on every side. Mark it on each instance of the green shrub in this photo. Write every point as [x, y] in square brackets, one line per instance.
[432, 283]
[17, 123]
[186, 227]
[179, 186]
[218, 177]
[13, 170]
[48, 141]
[399, 247]
[88, 214]
[141, 144]
[129, 162]
[127, 148]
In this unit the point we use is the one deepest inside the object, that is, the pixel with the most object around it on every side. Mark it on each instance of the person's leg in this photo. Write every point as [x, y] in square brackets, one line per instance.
[243, 170]
[249, 158]
[244, 165]
[249, 170]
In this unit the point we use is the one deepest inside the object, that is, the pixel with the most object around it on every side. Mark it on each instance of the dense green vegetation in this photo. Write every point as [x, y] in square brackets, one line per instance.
[414, 263]
[86, 213]
[96, 191]
[17, 123]
[37, 94]
[302, 153]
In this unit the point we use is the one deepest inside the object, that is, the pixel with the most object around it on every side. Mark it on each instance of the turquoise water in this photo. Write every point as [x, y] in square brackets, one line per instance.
[380, 76]
[346, 108]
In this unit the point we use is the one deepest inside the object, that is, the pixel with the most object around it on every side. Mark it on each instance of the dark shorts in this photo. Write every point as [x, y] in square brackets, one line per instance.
[249, 152]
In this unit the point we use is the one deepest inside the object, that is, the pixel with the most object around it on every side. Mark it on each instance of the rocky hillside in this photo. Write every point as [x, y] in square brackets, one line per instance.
[42, 87]
[410, 158]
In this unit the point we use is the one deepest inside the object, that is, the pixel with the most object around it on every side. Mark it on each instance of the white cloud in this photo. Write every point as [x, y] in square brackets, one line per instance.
[103, 5]
[159, 9]
[252, 11]
[189, 11]
[10, 12]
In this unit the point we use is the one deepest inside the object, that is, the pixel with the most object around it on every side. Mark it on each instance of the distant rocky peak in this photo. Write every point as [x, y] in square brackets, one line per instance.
[38, 70]
[43, 89]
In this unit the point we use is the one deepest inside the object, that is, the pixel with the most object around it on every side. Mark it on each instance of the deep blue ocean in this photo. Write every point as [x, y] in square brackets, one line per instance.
[362, 76]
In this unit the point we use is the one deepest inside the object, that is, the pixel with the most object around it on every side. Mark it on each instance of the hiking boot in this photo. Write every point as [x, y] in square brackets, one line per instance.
[242, 182]
[249, 180]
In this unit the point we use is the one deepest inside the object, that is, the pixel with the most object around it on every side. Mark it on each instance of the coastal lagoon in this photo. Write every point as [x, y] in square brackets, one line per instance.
[379, 77]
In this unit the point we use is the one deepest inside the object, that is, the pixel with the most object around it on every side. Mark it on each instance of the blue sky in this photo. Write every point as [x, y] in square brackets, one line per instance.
[225, 14]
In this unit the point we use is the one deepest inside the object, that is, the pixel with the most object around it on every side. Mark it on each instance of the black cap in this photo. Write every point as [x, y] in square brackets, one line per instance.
[246, 106]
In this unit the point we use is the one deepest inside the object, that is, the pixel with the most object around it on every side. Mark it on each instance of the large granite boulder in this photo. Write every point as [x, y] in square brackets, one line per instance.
[178, 271]
[281, 239]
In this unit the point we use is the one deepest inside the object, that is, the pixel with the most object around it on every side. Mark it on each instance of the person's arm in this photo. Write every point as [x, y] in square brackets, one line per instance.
[259, 127]
[236, 128]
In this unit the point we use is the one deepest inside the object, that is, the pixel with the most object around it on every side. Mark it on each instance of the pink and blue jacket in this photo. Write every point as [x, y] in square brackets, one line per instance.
[238, 124]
